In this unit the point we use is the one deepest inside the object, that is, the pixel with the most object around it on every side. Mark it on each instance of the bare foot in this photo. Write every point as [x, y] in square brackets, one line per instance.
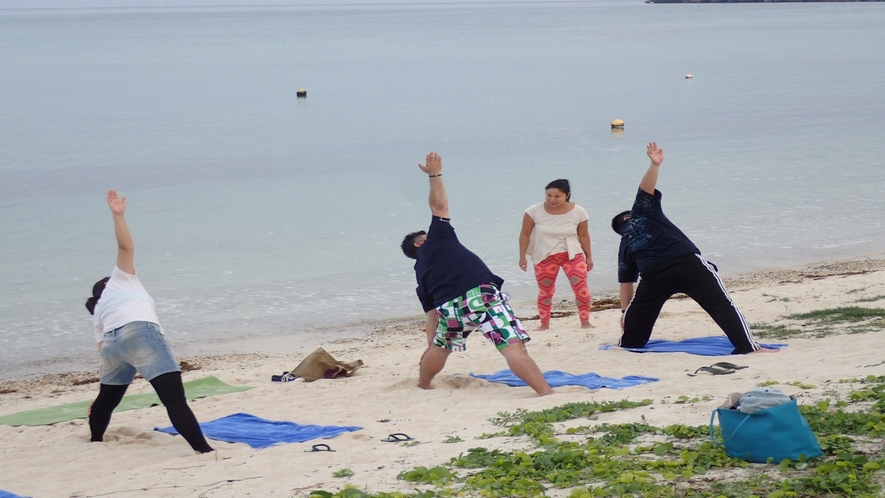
[428, 387]
[543, 326]
[587, 325]
[548, 393]
[764, 350]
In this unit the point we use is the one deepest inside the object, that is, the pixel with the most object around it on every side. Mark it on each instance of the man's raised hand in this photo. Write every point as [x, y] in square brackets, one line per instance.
[655, 154]
[434, 164]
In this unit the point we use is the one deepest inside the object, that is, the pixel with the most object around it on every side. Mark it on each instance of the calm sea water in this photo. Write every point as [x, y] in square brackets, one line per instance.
[265, 222]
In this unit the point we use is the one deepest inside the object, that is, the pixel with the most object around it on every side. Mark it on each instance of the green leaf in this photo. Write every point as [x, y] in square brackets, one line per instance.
[662, 449]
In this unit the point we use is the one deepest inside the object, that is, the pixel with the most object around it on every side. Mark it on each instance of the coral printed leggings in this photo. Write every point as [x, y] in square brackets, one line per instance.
[576, 270]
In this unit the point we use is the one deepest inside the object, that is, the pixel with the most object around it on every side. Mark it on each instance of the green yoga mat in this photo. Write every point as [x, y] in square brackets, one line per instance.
[199, 388]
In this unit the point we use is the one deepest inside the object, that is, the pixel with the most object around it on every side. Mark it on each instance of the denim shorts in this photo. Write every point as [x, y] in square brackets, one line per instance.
[136, 346]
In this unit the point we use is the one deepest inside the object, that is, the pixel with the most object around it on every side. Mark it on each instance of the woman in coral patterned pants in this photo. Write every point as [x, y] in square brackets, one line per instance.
[555, 235]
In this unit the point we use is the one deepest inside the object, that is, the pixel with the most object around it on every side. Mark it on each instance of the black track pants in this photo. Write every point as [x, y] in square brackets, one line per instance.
[696, 277]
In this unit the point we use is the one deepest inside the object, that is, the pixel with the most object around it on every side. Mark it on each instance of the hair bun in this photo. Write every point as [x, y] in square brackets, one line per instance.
[90, 305]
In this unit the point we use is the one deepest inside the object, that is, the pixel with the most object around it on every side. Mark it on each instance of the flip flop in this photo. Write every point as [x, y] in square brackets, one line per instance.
[730, 366]
[397, 437]
[713, 370]
[319, 447]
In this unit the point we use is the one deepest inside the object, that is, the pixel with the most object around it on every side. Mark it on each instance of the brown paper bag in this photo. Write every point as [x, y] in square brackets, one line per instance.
[321, 365]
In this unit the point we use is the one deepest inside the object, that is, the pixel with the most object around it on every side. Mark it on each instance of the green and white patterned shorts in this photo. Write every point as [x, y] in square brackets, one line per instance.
[483, 308]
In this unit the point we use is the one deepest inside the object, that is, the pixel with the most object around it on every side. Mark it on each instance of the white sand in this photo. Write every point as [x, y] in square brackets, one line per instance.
[134, 460]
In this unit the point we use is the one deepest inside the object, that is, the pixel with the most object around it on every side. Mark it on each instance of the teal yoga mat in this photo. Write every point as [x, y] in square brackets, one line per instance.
[199, 388]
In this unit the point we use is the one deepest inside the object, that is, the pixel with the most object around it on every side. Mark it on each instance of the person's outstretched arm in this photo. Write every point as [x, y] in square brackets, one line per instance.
[650, 180]
[125, 246]
[439, 202]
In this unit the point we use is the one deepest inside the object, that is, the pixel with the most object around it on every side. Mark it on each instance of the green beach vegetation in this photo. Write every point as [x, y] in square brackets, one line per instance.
[824, 322]
[641, 460]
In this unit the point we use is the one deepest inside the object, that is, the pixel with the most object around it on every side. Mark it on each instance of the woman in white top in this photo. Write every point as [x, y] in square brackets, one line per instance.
[130, 340]
[554, 233]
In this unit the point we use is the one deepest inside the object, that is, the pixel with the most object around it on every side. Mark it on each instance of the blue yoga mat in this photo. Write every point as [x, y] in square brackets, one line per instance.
[7, 494]
[262, 433]
[557, 378]
[703, 346]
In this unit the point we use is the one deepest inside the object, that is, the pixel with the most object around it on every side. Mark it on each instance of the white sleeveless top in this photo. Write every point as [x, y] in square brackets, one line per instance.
[555, 233]
[124, 300]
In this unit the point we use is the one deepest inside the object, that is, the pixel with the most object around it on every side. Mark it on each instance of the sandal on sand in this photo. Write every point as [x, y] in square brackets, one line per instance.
[730, 366]
[319, 447]
[397, 437]
[713, 370]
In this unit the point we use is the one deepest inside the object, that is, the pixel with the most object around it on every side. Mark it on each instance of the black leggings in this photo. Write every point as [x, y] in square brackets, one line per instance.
[171, 393]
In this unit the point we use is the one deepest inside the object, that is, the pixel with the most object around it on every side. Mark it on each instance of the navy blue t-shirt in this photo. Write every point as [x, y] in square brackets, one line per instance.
[446, 269]
[649, 239]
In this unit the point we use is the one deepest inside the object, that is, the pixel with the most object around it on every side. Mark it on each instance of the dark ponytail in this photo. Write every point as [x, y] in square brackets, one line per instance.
[97, 289]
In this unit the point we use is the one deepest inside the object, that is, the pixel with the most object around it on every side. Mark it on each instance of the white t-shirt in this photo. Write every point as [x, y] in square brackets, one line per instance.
[123, 300]
[555, 233]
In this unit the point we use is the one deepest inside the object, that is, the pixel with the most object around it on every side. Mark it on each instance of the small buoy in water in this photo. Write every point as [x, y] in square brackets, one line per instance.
[688, 76]
[617, 124]
[301, 93]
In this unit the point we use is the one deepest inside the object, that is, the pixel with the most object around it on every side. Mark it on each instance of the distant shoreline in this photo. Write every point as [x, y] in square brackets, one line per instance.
[756, 1]
[31, 381]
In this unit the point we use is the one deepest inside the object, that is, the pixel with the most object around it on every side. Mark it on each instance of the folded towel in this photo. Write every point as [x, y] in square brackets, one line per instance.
[557, 378]
[703, 346]
[261, 433]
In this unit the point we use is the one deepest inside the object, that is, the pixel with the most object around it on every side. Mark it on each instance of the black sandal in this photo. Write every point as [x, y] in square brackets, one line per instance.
[319, 447]
[397, 437]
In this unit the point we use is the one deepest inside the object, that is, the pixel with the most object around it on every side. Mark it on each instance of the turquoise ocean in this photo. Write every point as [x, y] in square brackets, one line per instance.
[264, 222]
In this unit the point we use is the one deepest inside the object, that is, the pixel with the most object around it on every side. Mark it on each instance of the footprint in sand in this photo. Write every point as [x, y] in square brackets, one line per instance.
[401, 384]
[128, 435]
[463, 382]
[456, 381]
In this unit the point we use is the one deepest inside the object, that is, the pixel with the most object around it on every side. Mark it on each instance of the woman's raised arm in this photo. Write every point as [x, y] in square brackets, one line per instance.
[125, 246]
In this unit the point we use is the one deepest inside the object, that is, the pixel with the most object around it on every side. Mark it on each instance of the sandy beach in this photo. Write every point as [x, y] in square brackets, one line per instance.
[382, 397]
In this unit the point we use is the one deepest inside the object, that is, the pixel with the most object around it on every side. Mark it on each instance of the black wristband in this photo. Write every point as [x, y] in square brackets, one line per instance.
[434, 176]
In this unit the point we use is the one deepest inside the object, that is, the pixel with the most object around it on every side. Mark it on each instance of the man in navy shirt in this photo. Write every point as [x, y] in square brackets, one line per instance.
[668, 262]
[459, 294]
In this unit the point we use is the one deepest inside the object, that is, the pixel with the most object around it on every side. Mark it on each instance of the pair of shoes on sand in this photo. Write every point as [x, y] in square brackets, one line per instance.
[286, 377]
[721, 368]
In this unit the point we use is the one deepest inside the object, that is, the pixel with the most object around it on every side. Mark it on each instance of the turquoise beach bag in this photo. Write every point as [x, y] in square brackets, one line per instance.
[778, 432]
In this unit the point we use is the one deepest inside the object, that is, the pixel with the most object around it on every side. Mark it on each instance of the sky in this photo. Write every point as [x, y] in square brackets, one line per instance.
[55, 4]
